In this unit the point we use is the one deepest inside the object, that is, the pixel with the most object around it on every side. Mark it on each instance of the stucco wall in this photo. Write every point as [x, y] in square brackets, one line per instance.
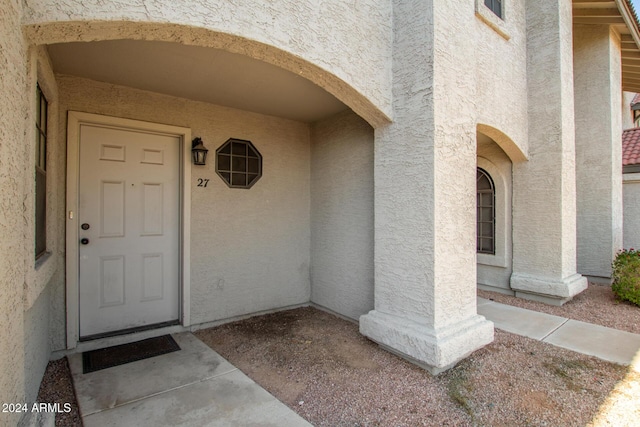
[544, 202]
[13, 109]
[342, 214]
[425, 257]
[494, 271]
[501, 55]
[250, 249]
[597, 83]
[330, 43]
[627, 114]
[36, 344]
[631, 210]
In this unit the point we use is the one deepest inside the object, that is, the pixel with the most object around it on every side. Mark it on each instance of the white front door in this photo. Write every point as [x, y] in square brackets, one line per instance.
[129, 229]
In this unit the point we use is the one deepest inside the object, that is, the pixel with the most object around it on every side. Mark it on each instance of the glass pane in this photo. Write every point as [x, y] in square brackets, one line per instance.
[224, 163]
[238, 164]
[41, 212]
[43, 117]
[239, 180]
[226, 149]
[486, 229]
[253, 166]
[38, 113]
[239, 148]
[483, 183]
[486, 214]
[226, 176]
[251, 179]
[252, 152]
[42, 161]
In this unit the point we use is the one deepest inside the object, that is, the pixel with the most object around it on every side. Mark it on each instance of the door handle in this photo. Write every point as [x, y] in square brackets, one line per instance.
[84, 241]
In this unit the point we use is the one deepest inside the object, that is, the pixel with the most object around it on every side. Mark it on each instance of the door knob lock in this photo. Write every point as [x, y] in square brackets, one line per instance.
[84, 241]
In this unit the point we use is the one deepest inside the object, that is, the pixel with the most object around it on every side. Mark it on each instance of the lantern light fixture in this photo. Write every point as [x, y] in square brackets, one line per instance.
[198, 151]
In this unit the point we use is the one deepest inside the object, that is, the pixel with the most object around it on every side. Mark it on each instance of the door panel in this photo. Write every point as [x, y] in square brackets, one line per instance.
[129, 197]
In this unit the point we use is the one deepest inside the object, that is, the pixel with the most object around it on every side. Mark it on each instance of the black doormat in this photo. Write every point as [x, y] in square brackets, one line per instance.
[120, 354]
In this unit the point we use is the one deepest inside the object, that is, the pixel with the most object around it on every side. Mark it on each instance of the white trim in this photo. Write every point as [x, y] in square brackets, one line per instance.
[75, 119]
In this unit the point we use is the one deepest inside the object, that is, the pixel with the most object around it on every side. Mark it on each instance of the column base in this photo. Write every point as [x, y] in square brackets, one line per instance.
[434, 350]
[547, 291]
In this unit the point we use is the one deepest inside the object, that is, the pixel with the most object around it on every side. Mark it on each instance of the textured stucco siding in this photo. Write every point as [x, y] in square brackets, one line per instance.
[250, 249]
[494, 271]
[632, 211]
[343, 47]
[627, 114]
[502, 68]
[36, 344]
[425, 260]
[544, 187]
[597, 66]
[13, 109]
[342, 214]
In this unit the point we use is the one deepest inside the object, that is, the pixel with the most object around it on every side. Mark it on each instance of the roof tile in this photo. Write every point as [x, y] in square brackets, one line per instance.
[631, 147]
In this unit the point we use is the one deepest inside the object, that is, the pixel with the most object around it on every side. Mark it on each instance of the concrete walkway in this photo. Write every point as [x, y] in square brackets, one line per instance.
[191, 387]
[605, 343]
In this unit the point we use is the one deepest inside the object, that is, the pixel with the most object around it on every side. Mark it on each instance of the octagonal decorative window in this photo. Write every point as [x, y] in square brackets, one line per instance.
[238, 163]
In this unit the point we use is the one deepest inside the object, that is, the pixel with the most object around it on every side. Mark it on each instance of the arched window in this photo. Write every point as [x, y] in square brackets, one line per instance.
[486, 210]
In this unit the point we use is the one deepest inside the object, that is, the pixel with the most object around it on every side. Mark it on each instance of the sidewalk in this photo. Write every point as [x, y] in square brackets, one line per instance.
[191, 387]
[605, 343]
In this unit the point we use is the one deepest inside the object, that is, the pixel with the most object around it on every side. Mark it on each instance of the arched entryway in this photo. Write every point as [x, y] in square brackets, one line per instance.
[247, 249]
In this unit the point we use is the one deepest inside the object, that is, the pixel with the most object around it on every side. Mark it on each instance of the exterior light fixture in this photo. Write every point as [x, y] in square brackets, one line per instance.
[198, 152]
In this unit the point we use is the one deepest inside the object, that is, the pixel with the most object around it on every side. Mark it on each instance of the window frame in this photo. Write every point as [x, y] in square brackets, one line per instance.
[479, 218]
[40, 174]
[236, 169]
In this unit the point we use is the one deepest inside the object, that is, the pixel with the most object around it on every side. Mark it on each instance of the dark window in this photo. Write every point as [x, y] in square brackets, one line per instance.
[495, 6]
[238, 163]
[485, 193]
[41, 174]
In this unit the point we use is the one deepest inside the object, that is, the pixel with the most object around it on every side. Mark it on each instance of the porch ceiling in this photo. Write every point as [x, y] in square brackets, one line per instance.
[201, 74]
[621, 15]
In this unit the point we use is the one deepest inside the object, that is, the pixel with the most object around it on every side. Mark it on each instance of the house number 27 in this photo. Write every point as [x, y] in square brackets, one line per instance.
[202, 182]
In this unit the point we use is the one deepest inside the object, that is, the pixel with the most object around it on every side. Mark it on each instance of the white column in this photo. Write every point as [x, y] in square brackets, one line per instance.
[544, 187]
[425, 168]
[598, 93]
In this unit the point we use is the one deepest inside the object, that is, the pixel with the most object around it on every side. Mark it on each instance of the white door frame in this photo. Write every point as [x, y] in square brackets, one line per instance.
[75, 120]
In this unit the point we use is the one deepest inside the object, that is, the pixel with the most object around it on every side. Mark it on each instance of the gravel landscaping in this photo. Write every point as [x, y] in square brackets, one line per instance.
[320, 366]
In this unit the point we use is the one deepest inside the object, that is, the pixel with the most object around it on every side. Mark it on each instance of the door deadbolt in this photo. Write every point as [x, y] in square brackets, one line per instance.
[85, 226]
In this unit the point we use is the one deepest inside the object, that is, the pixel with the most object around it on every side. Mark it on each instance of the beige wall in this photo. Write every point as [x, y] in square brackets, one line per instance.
[627, 114]
[631, 210]
[597, 83]
[250, 249]
[330, 43]
[425, 246]
[342, 214]
[501, 55]
[13, 109]
[544, 187]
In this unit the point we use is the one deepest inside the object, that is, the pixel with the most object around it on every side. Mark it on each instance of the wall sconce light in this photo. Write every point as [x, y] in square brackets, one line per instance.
[198, 152]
